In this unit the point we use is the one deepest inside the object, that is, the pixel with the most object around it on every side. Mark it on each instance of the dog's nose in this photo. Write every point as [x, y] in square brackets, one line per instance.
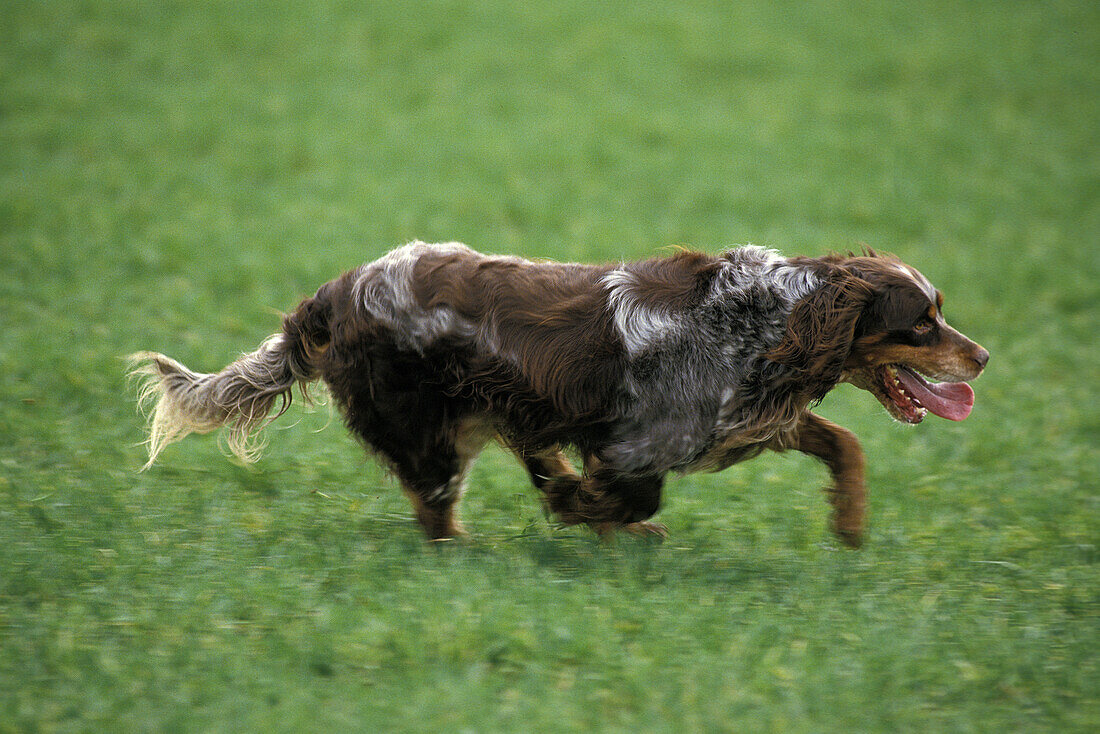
[981, 357]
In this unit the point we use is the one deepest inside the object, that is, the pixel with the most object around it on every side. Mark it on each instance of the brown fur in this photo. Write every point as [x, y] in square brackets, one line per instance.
[434, 350]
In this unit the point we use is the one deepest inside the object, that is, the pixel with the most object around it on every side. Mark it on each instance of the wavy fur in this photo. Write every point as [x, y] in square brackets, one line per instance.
[677, 364]
[240, 398]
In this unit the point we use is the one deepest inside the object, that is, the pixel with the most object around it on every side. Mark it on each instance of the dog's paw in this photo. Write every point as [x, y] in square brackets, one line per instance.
[849, 538]
[646, 529]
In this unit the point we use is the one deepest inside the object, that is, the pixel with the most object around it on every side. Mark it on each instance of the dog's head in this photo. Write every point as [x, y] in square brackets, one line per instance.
[904, 352]
[878, 323]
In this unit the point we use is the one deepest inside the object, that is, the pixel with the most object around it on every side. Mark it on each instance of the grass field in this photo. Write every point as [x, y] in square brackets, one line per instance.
[172, 174]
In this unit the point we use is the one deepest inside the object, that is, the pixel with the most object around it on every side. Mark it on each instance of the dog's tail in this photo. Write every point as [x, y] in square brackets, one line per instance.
[239, 398]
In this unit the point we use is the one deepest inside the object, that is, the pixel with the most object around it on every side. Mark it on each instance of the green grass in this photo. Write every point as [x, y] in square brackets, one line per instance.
[174, 173]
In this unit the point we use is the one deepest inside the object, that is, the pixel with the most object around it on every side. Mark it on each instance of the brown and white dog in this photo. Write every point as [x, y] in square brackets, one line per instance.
[679, 364]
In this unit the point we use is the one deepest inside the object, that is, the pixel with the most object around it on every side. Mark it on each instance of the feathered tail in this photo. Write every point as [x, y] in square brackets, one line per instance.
[239, 398]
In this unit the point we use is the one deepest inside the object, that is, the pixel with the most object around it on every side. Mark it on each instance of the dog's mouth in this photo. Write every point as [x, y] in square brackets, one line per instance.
[909, 397]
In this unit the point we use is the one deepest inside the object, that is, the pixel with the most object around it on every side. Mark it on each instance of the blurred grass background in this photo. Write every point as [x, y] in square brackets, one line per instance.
[173, 174]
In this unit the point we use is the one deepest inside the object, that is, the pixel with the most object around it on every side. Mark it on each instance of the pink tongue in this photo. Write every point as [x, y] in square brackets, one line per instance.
[951, 400]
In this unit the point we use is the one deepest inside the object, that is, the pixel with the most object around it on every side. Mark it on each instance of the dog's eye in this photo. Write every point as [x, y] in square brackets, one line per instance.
[923, 326]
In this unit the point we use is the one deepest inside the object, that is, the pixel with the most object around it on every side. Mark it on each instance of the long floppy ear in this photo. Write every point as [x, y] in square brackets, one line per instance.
[820, 331]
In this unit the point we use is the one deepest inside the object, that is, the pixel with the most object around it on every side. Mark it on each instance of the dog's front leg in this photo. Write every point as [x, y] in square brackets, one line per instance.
[839, 449]
[606, 500]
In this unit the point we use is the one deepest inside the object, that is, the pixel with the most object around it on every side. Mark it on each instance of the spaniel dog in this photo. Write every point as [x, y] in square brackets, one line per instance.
[679, 364]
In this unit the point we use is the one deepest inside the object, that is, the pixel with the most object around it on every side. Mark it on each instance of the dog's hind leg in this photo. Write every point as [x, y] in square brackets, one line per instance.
[433, 474]
[427, 440]
[434, 492]
[427, 448]
[434, 499]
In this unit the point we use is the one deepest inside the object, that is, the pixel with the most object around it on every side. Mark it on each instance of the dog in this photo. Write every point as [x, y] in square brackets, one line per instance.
[676, 364]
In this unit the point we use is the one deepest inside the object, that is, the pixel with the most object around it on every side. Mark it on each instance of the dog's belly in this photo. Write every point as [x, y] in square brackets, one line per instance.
[736, 446]
[723, 455]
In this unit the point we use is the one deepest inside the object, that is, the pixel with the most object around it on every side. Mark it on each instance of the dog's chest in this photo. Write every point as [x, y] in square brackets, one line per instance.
[741, 431]
[731, 445]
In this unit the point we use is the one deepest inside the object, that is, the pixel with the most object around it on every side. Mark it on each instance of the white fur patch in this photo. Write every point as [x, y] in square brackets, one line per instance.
[796, 282]
[918, 280]
[384, 290]
[639, 325]
[756, 265]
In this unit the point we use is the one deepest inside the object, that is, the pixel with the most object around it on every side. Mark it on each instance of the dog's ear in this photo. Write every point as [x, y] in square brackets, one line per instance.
[820, 331]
